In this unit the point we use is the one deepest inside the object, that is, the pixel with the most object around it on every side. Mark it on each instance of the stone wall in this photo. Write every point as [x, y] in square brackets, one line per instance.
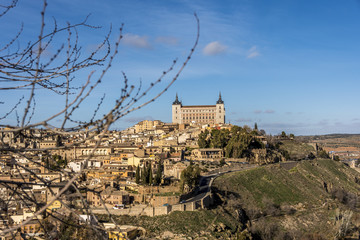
[162, 210]
[157, 201]
[145, 210]
[151, 211]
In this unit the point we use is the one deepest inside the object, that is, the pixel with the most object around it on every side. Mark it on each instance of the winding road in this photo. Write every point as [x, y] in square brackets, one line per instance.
[206, 181]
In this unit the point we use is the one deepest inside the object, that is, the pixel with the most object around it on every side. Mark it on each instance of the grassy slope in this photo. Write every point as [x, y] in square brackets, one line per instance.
[194, 224]
[302, 184]
[297, 150]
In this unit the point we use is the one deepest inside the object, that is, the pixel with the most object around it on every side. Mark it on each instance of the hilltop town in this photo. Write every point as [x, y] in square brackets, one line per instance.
[152, 168]
[120, 171]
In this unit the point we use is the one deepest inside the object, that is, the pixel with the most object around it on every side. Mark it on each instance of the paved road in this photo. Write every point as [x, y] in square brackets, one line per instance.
[204, 182]
[203, 189]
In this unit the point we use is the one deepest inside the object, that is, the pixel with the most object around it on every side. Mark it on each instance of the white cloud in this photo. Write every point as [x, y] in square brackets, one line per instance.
[136, 41]
[214, 48]
[253, 52]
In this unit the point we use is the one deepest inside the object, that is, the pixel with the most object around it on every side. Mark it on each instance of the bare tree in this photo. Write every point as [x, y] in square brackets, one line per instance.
[31, 70]
[343, 222]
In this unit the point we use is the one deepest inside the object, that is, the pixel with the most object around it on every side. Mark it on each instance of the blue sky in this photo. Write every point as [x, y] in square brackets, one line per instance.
[287, 65]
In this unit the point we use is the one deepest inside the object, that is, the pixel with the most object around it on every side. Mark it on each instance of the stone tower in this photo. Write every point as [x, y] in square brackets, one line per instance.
[176, 110]
[220, 110]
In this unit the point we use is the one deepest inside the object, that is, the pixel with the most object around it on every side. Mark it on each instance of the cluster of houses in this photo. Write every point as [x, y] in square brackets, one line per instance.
[41, 164]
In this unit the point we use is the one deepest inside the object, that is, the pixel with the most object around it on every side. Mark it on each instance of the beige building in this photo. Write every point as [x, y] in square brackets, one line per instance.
[173, 169]
[207, 154]
[147, 125]
[109, 196]
[207, 114]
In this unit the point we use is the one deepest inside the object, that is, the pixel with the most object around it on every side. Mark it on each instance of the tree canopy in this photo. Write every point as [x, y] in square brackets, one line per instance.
[237, 142]
[189, 177]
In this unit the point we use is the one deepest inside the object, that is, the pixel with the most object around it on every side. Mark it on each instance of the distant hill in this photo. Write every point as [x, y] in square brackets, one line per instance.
[345, 146]
[352, 140]
[333, 135]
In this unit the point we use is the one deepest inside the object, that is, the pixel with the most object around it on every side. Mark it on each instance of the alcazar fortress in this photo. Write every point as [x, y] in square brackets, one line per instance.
[209, 114]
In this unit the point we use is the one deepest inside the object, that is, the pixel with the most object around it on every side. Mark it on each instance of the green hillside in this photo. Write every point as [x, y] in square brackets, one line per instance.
[304, 199]
[295, 150]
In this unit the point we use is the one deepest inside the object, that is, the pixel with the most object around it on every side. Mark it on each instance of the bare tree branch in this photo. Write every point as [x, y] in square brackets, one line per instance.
[31, 70]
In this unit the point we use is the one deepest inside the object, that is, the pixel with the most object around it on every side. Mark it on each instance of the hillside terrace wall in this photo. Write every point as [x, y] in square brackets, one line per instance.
[178, 207]
[158, 201]
[148, 211]
[164, 210]
[156, 189]
[145, 210]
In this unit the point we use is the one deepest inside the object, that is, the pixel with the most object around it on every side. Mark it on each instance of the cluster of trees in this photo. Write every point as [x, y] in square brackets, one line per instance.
[189, 177]
[347, 198]
[284, 135]
[322, 153]
[214, 139]
[241, 142]
[56, 162]
[237, 142]
[145, 175]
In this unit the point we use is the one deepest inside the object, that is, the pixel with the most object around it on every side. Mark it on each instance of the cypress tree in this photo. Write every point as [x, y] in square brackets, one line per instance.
[150, 175]
[144, 175]
[137, 174]
[158, 174]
